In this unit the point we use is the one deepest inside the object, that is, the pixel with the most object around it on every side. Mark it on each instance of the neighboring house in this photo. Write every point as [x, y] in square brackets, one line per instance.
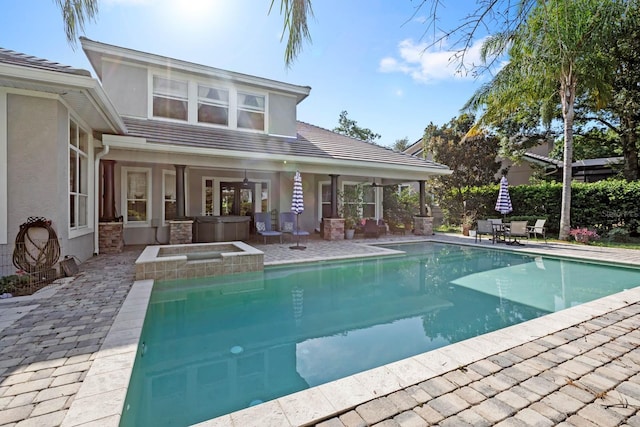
[589, 170]
[517, 173]
[158, 139]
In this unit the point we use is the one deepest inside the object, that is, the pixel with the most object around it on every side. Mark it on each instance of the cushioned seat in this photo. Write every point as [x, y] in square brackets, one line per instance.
[288, 226]
[263, 226]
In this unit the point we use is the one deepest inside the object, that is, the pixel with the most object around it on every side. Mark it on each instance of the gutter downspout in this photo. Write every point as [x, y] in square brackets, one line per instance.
[96, 199]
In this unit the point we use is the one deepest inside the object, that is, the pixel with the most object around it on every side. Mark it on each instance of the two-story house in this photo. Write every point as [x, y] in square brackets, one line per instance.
[153, 139]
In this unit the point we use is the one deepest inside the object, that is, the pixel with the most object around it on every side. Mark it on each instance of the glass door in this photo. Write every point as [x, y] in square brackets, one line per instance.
[236, 199]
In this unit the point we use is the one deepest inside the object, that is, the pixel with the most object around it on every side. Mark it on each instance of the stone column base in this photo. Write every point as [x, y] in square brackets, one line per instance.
[110, 237]
[180, 232]
[333, 229]
[423, 225]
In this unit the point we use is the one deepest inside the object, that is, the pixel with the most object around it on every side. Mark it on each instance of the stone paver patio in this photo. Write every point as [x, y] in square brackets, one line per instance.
[579, 366]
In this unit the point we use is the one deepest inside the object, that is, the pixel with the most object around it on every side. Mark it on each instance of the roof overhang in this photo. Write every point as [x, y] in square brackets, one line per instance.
[122, 147]
[96, 51]
[82, 93]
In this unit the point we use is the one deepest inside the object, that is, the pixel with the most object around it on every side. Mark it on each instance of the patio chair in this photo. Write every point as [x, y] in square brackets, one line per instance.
[516, 229]
[538, 228]
[288, 226]
[484, 226]
[263, 226]
[371, 228]
[499, 230]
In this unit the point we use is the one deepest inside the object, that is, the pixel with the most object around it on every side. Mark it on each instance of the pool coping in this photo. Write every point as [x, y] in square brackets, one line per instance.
[102, 395]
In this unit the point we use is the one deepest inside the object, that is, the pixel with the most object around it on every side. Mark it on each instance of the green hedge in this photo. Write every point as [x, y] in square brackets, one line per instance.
[600, 205]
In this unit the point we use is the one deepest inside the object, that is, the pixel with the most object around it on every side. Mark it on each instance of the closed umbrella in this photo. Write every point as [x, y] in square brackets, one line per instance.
[503, 204]
[297, 206]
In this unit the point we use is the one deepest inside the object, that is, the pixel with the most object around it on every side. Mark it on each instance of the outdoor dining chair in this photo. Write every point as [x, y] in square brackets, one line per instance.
[516, 229]
[538, 228]
[484, 226]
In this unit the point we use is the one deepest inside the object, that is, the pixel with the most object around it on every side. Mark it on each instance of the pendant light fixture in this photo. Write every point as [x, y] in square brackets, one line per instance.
[245, 181]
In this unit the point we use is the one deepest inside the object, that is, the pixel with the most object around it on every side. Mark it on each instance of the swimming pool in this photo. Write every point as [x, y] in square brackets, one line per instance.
[300, 326]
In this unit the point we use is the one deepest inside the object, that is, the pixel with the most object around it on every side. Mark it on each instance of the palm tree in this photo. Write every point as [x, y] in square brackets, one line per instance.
[295, 13]
[74, 14]
[554, 57]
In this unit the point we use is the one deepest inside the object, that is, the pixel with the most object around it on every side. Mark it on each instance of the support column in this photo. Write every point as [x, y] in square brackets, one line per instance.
[108, 196]
[180, 212]
[423, 208]
[334, 196]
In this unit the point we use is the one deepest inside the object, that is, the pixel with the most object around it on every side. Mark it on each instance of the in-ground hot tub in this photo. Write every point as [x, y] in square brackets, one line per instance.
[168, 262]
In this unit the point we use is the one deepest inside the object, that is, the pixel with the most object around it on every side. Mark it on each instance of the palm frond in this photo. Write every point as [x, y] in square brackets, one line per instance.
[296, 14]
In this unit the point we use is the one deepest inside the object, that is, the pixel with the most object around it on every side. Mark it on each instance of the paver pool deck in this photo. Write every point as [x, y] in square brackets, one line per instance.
[62, 361]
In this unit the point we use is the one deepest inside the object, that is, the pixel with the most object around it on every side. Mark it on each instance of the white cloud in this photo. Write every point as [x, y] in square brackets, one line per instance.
[429, 64]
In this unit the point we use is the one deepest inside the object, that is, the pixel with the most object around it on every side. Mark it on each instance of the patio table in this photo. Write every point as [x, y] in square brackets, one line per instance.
[499, 232]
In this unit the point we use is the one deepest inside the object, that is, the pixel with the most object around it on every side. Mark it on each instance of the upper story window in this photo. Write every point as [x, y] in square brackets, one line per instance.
[170, 98]
[213, 105]
[251, 111]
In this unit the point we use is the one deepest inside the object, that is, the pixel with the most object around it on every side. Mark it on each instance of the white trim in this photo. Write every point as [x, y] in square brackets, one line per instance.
[3, 167]
[79, 230]
[124, 192]
[193, 98]
[166, 172]
[216, 180]
[320, 184]
[215, 200]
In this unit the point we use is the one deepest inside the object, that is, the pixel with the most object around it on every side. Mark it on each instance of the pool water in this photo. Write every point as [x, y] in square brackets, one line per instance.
[212, 346]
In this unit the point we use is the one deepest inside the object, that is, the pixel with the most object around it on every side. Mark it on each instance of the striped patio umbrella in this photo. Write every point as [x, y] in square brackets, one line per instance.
[503, 204]
[297, 206]
[297, 202]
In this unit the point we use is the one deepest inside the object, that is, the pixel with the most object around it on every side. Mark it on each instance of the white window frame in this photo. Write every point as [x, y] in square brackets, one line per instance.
[80, 230]
[213, 103]
[216, 180]
[152, 91]
[320, 202]
[215, 196]
[377, 198]
[166, 173]
[193, 99]
[262, 111]
[124, 193]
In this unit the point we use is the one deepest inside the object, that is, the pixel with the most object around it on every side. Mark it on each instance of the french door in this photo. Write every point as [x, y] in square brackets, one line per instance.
[237, 198]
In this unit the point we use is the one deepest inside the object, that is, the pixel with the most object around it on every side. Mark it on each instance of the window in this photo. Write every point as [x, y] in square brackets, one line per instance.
[222, 196]
[250, 111]
[170, 98]
[325, 194]
[369, 202]
[208, 197]
[137, 192]
[169, 195]
[78, 177]
[213, 106]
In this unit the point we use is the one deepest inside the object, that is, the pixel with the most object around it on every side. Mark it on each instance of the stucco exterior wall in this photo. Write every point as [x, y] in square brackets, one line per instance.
[32, 154]
[127, 87]
[37, 134]
[282, 115]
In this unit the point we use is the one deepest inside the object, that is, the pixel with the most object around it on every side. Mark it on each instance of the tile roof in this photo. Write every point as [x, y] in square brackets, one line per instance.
[311, 141]
[20, 59]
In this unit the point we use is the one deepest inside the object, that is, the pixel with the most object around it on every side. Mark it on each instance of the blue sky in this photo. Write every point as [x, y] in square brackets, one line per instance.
[367, 56]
